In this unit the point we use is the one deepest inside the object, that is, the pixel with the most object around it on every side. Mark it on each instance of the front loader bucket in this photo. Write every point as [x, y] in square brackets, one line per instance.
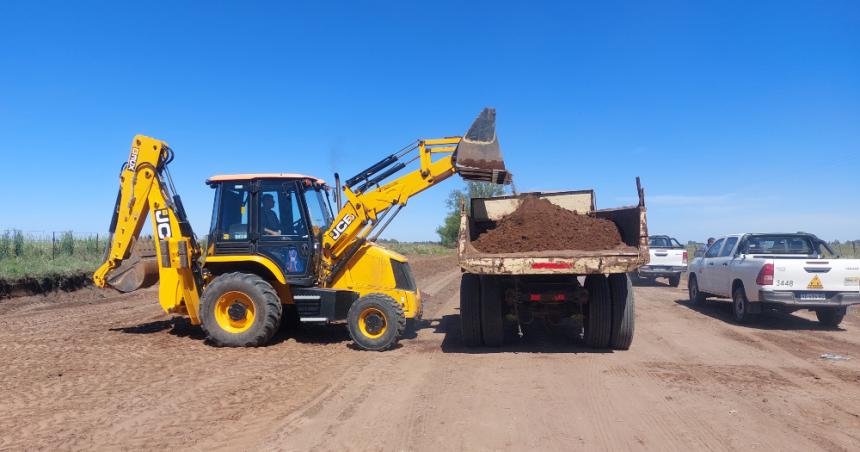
[478, 157]
[139, 271]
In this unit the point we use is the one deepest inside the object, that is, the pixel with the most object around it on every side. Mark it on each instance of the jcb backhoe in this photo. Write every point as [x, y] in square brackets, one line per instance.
[274, 245]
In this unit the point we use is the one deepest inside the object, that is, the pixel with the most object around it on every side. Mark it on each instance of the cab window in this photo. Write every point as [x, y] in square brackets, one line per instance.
[730, 245]
[714, 250]
[280, 213]
[233, 218]
[317, 210]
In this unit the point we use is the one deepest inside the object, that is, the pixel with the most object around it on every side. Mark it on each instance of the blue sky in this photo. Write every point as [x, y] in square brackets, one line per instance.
[737, 115]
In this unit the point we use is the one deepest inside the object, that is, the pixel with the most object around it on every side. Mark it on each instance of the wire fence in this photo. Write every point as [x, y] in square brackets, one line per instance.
[17, 244]
[847, 249]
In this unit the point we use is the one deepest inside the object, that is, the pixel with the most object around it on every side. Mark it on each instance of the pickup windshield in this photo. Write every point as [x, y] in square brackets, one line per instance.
[663, 242]
[779, 244]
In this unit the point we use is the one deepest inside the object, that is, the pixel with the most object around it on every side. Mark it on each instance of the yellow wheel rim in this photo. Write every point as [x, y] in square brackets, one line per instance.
[372, 323]
[234, 312]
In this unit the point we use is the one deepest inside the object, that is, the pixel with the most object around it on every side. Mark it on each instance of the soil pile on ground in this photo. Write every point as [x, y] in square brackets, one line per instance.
[539, 225]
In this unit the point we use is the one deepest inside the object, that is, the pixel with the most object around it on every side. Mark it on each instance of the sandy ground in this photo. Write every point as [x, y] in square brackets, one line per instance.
[95, 370]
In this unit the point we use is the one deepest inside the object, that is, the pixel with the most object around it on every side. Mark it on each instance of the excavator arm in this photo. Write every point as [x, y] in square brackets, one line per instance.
[370, 207]
[147, 189]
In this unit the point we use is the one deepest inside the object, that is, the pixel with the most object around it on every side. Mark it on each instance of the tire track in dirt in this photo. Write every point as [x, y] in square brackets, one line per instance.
[113, 372]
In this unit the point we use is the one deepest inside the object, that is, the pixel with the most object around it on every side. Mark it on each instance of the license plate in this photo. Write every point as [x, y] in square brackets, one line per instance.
[812, 296]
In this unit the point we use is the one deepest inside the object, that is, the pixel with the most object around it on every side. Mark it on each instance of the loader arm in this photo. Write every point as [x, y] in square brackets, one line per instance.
[146, 188]
[370, 207]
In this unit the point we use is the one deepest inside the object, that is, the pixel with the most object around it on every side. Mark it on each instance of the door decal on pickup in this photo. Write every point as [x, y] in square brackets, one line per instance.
[815, 283]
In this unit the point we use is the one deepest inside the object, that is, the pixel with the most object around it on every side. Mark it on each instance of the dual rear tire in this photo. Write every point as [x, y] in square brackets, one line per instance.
[482, 319]
[609, 317]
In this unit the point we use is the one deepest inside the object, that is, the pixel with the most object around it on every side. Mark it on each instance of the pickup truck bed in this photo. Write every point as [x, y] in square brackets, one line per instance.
[504, 292]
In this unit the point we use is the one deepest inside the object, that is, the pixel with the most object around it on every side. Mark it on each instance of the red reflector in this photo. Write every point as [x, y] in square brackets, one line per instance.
[534, 297]
[684, 259]
[559, 297]
[551, 265]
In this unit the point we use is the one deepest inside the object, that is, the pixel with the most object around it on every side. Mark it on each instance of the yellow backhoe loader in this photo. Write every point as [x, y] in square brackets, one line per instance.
[274, 245]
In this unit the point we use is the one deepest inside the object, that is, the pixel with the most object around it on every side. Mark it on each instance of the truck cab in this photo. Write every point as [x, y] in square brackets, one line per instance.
[668, 259]
[783, 271]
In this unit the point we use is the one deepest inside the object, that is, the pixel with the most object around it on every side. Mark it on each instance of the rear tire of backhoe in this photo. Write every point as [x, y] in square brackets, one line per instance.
[376, 322]
[470, 309]
[623, 311]
[492, 319]
[598, 319]
[240, 310]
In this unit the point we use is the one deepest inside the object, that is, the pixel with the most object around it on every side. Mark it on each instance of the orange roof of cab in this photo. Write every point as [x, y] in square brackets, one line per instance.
[249, 176]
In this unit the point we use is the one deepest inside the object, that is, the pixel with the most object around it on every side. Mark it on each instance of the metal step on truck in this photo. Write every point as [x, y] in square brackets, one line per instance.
[501, 293]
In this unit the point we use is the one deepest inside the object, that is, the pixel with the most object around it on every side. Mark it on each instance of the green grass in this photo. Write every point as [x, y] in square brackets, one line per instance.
[417, 248]
[24, 267]
[47, 254]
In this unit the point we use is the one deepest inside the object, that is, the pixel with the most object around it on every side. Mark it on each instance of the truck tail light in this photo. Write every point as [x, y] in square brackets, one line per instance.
[765, 275]
[684, 258]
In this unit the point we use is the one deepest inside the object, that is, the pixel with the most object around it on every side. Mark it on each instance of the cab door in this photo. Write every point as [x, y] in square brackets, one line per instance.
[282, 230]
[722, 269]
[706, 276]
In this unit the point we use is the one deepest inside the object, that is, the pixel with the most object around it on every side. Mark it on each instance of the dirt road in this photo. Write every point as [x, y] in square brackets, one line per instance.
[93, 370]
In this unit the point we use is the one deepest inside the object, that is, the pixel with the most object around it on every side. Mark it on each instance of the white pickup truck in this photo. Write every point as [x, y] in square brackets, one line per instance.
[780, 271]
[668, 260]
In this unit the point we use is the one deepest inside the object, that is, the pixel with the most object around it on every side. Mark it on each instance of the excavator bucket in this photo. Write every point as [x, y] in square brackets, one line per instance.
[139, 271]
[478, 157]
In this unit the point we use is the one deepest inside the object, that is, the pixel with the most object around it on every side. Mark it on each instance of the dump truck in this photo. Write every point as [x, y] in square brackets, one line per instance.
[504, 292]
[277, 245]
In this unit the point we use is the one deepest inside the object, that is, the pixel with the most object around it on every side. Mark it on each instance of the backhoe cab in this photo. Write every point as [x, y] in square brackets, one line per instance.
[285, 244]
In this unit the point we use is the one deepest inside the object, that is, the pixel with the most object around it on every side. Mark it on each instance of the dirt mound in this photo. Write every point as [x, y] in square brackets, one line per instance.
[539, 225]
[33, 286]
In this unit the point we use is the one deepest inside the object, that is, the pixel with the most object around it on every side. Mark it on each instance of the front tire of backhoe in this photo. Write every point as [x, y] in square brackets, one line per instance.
[376, 322]
[240, 310]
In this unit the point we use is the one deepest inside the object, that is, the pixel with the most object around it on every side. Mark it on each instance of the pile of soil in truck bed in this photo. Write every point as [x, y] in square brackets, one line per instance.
[539, 225]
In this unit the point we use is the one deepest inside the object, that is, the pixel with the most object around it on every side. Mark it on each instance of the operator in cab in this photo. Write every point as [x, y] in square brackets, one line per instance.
[271, 223]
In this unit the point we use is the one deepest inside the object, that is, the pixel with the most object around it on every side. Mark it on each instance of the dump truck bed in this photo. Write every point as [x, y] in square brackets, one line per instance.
[484, 212]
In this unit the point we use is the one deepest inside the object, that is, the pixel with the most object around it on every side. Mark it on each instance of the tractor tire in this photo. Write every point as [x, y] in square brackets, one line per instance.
[830, 317]
[623, 311]
[492, 318]
[741, 306]
[376, 322]
[696, 296]
[240, 310]
[470, 309]
[598, 319]
[675, 281]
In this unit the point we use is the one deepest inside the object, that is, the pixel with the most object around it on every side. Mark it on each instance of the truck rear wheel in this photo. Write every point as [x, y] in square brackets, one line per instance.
[675, 280]
[376, 322]
[240, 310]
[696, 295]
[598, 319]
[623, 311]
[831, 317]
[492, 319]
[470, 309]
[741, 306]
